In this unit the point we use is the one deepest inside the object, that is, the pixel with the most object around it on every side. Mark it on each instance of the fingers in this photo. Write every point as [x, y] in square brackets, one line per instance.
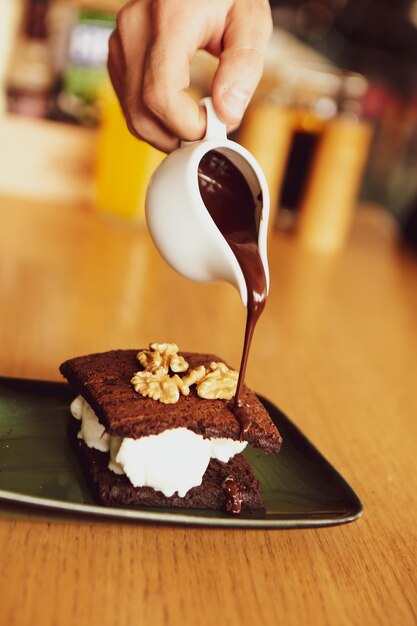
[170, 103]
[116, 65]
[241, 62]
[167, 70]
[127, 50]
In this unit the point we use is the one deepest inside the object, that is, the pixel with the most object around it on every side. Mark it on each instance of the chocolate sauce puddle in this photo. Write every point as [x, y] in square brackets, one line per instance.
[230, 202]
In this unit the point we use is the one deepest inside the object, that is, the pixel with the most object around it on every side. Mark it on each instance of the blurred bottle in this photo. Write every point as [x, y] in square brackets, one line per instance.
[332, 188]
[307, 129]
[330, 197]
[267, 132]
[124, 164]
[30, 79]
[310, 92]
[79, 40]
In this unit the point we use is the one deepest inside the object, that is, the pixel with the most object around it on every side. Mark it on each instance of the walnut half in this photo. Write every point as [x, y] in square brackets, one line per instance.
[219, 383]
[159, 386]
[162, 355]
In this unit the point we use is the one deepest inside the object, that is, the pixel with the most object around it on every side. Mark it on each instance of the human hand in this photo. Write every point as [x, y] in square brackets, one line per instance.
[149, 63]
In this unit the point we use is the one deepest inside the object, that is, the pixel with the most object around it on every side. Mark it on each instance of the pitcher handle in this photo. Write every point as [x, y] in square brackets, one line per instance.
[215, 128]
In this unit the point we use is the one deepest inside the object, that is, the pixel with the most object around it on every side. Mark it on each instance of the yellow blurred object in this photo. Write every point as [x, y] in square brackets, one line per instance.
[124, 164]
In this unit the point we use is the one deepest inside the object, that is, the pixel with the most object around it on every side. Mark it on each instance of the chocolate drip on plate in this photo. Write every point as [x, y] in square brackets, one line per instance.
[233, 504]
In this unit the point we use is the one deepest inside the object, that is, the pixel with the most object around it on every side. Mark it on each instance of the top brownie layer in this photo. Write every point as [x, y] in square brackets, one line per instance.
[104, 381]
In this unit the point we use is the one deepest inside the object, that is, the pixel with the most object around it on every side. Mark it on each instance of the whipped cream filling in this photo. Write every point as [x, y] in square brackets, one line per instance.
[173, 461]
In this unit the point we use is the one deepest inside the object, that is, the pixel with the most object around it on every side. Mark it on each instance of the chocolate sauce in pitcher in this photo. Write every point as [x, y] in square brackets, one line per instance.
[230, 202]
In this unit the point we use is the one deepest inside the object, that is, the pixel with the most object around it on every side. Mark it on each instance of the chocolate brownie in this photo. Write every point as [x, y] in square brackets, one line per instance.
[104, 381]
[112, 489]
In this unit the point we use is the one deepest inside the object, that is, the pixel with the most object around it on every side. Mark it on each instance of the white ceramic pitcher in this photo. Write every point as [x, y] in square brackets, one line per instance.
[181, 226]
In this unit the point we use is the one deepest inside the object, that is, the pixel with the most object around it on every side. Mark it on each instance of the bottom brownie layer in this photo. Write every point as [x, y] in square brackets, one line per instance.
[112, 489]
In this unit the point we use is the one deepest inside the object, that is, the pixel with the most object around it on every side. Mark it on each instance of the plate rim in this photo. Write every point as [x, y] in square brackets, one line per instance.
[174, 518]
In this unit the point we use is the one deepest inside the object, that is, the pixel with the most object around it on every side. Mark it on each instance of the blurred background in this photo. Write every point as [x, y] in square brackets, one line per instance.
[333, 122]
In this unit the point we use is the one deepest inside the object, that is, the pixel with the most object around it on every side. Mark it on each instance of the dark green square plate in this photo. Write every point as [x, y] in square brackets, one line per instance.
[38, 467]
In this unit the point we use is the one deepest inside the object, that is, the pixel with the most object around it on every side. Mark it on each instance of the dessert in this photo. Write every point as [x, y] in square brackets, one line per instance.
[158, 429]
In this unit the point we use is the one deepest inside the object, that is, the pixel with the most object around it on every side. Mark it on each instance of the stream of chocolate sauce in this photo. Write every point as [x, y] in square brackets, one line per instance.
[230, 202]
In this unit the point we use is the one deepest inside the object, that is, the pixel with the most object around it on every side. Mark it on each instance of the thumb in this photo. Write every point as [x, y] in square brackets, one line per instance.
[242, 59]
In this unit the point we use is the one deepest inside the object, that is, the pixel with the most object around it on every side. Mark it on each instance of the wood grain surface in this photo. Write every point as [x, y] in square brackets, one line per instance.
[336, 350]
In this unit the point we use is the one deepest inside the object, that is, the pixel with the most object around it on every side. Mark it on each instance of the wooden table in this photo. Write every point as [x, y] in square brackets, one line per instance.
[336, 350]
